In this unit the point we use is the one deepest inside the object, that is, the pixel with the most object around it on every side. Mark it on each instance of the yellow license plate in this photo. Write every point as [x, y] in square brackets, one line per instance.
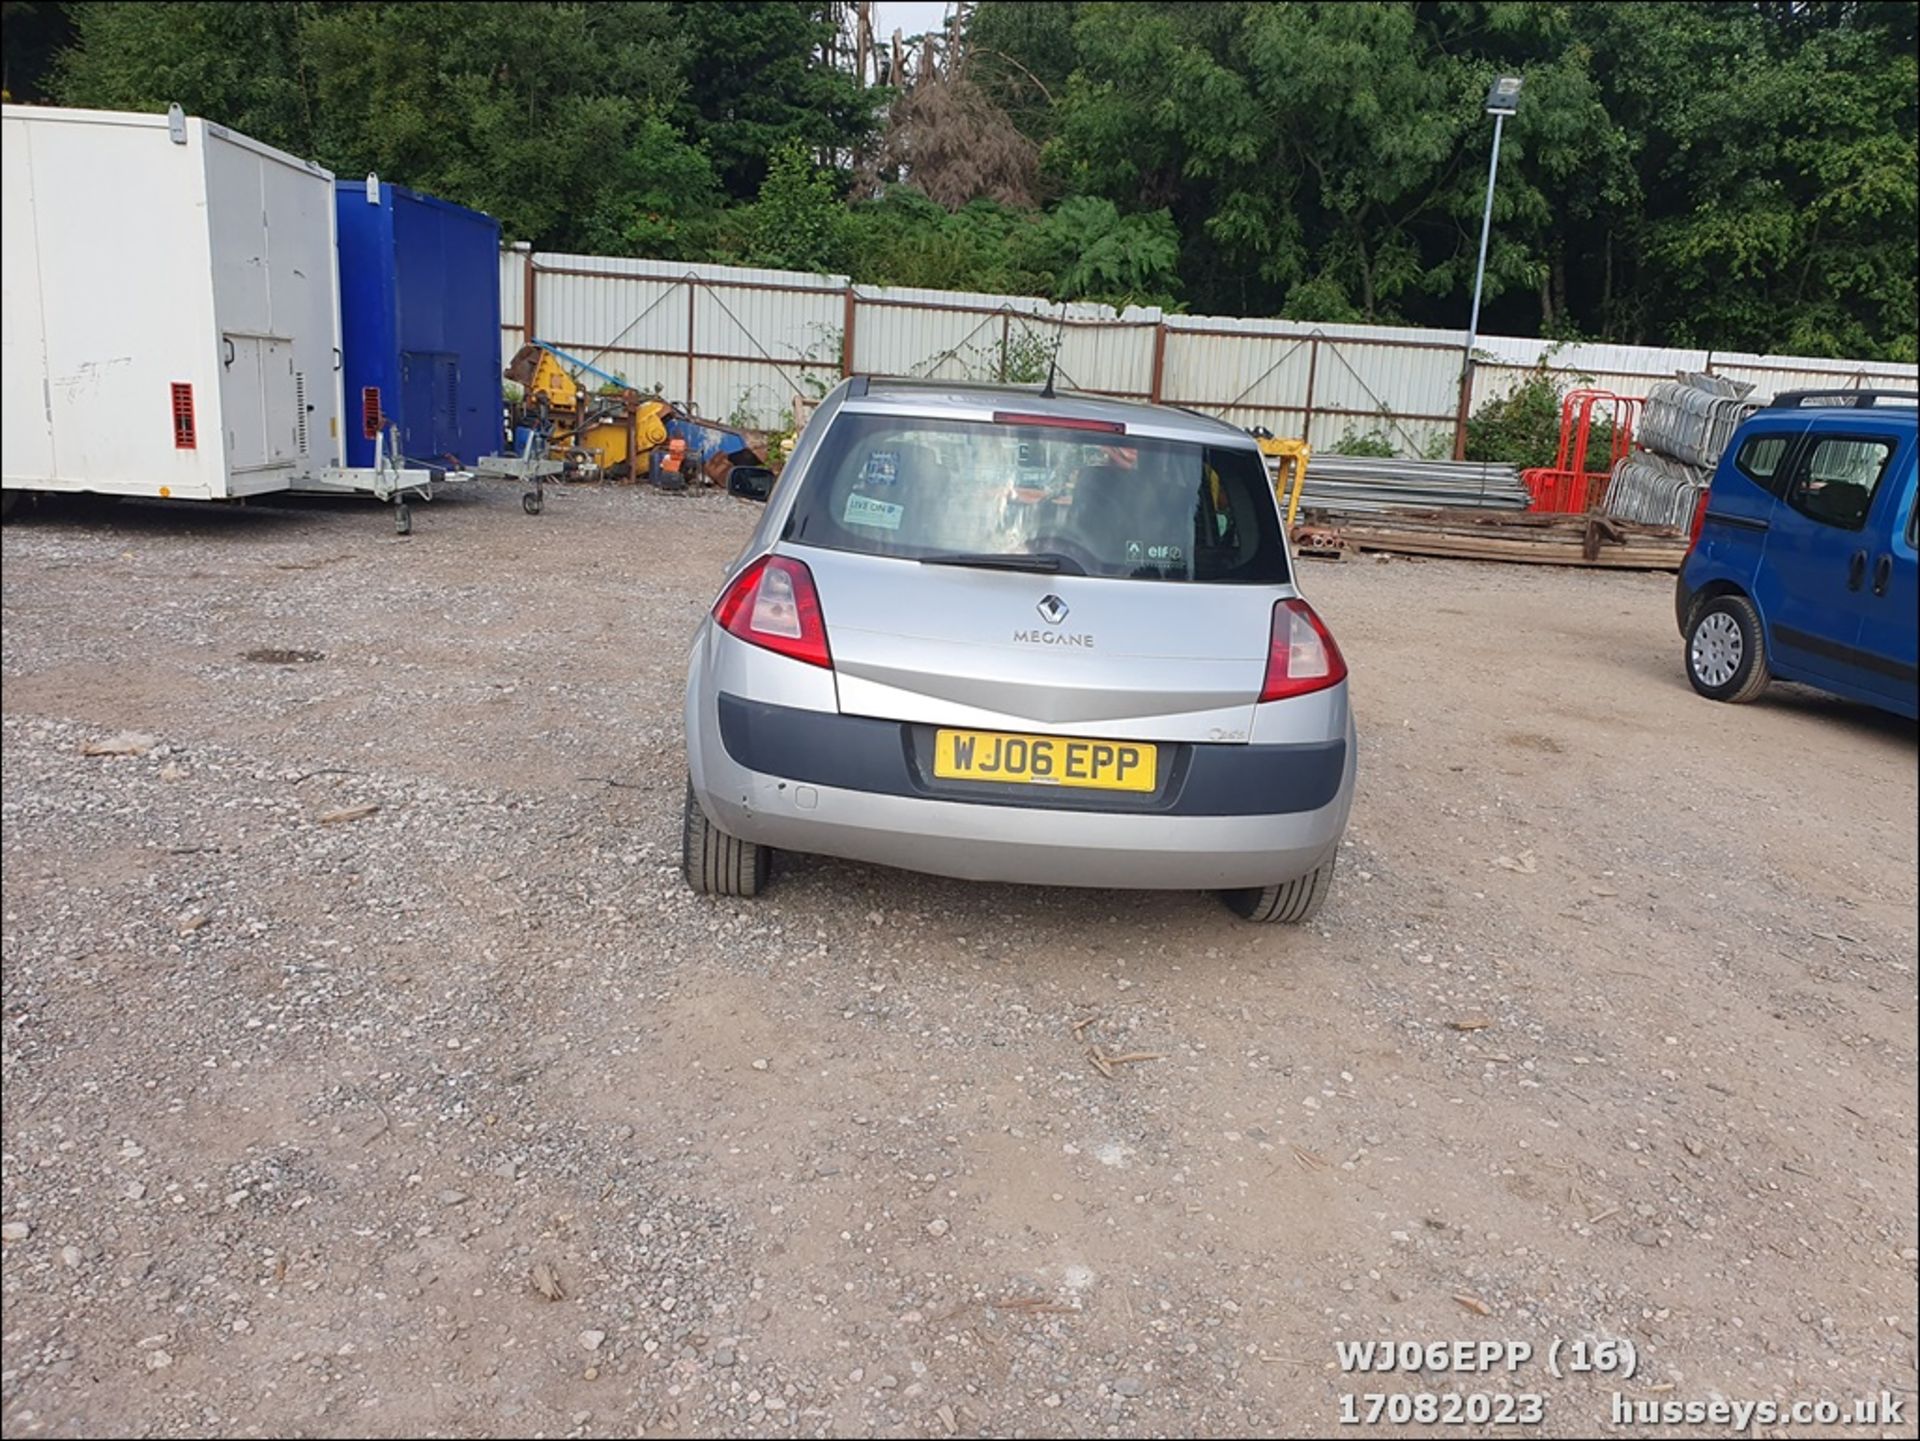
[1044, 760]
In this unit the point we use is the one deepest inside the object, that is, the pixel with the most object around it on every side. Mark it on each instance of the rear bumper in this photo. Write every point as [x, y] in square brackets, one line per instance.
[1271, 818]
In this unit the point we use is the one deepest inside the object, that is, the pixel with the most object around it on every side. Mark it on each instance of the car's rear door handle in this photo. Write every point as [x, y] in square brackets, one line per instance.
[1882, 573]
[1856, 569]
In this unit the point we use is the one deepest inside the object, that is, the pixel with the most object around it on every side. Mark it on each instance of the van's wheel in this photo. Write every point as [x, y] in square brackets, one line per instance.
[1727, 650]
[9, 502]
[715, 863]
[1289, 902]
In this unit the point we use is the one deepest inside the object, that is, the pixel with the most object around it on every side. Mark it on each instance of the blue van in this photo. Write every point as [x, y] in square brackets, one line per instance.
[1803, 568]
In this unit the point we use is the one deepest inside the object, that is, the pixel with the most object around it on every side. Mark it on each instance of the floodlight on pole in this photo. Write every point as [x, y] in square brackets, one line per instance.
[1503, 99]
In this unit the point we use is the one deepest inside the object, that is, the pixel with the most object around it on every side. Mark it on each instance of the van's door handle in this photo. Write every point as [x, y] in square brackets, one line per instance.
[1882, 573]
[1856, 569]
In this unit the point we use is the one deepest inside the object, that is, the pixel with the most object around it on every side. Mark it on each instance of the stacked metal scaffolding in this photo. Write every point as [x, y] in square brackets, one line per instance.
[1363, 485]
[1691, 417]
[1652, 488]
[1686, 424]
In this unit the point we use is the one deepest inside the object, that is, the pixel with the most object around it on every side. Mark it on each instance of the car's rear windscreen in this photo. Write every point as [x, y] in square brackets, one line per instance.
[1105, 504]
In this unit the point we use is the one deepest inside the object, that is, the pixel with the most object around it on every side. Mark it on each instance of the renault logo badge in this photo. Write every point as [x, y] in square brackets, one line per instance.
[1052, 609]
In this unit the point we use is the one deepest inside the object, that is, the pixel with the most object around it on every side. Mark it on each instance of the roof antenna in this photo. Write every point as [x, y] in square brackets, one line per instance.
[1053, 362]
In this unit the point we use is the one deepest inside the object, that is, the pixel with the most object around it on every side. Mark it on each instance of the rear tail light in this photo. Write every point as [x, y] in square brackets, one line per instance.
[772, 604]
[1301, 654]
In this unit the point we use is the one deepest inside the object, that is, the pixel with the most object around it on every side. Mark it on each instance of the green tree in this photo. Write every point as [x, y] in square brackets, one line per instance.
[755, 82]
[1020, 53]
[796, 217]
[1776, 148]
[1728, 173]
[1093, 252]
[1321, 158]
[903, 238]
[32, 34]
[1733, 174]
[240, 64]
[545, 115]
[663, 201]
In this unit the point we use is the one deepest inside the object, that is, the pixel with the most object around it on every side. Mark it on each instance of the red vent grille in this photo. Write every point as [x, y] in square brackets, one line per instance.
[370, 411]
[183, 436]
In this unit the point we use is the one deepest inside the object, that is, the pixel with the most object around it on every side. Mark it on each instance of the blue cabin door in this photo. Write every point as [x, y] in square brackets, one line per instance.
[430, 392]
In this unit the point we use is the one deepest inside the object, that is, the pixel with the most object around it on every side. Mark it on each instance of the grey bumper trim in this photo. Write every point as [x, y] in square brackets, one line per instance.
[887, 757]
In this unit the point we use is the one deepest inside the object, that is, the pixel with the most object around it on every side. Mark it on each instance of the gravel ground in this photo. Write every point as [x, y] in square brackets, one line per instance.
[465, 1116]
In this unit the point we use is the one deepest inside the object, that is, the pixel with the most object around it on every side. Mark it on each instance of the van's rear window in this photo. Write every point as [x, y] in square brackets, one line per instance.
[1107, 505]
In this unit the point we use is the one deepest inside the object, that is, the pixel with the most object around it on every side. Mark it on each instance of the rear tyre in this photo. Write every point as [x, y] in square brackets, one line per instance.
[715, 863]
[1727, 650]
[1289, 902]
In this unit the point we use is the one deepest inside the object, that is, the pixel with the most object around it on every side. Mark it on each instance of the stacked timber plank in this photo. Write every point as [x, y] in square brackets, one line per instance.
[1526, 537]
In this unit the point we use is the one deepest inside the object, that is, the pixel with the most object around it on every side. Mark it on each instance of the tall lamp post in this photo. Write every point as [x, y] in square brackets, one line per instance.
[1503, 99]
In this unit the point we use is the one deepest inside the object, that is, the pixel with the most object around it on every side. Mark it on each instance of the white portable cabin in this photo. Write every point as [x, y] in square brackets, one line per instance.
[171, 308]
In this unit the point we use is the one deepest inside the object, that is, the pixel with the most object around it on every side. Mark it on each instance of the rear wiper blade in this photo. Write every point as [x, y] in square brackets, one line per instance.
[1047, 564]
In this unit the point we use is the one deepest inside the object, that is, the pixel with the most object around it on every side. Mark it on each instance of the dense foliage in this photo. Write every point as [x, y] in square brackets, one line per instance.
[1735, 174]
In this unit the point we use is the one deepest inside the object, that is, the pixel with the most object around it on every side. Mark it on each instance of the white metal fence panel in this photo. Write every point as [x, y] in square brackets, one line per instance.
[1364, 386]
[1111, 358]
[740, 343]
[630, 323]
[956, 335]
[1770, 374]
[900, 332]
[514, 260]
[729, 342]
[1238, 369]
[758, 395]
[1505, 364]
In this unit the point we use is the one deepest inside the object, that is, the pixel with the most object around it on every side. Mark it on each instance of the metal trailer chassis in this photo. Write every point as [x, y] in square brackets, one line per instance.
[387, 480]
[533, 464]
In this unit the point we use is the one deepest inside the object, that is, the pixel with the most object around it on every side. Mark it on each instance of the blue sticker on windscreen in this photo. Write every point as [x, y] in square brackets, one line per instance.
[882, 468]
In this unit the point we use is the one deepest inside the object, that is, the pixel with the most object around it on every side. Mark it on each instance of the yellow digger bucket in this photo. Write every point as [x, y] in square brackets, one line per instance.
[1289, 459]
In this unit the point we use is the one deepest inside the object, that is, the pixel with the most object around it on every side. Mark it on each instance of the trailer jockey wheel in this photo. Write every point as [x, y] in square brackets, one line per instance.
[531, 502]
[403, 519]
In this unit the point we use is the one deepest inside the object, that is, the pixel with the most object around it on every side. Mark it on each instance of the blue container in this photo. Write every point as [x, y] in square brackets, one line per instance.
[419, 324]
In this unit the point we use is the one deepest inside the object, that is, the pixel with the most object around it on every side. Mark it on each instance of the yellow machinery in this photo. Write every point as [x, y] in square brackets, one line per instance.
[1288, 461]
[606, 431]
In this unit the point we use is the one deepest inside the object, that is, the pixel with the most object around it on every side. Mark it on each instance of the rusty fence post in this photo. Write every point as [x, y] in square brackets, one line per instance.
[1156, 381]
[1313, 369]
[692, 295]
[529, 287]
[1460, 412]
[846, 334]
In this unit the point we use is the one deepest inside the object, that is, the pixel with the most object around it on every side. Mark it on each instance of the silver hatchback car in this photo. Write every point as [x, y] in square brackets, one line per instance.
[1003, 635]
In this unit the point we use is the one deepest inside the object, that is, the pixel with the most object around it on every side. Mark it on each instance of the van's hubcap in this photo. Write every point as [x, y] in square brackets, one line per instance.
[1717, 648]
